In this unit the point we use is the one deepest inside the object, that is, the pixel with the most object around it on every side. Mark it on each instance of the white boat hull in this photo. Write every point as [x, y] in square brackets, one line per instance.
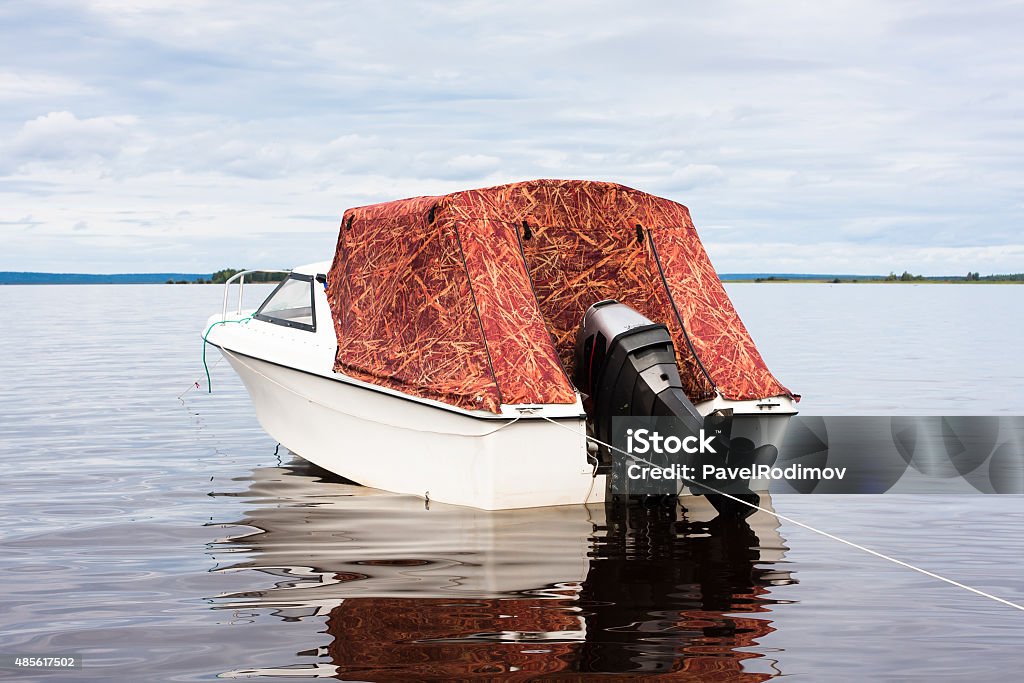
[445, 457]
[389, 443]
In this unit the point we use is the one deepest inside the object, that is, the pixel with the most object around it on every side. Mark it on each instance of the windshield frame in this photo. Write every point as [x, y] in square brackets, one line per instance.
[284, 322]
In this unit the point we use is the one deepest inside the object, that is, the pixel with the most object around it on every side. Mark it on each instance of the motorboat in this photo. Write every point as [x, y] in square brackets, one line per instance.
[477, 348]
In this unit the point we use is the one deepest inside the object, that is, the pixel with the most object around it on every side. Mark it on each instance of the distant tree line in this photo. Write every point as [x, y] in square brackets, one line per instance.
[905, 277]
[972, 276]
[1005, 277]
[975, 276]
[222, 276]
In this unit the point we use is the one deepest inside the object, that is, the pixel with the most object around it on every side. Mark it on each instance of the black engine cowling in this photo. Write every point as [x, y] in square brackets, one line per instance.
[626, 365]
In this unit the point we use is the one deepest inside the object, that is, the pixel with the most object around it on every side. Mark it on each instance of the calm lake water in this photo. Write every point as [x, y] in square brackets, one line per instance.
[161, 538]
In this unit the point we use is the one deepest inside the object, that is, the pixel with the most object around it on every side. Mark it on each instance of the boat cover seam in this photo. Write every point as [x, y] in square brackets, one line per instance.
[476, 310]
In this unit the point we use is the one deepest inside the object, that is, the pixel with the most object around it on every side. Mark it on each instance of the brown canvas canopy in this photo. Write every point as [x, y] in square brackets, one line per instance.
[474, 298]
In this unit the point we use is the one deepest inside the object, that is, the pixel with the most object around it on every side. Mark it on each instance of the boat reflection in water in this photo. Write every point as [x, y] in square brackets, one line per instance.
[450, 593]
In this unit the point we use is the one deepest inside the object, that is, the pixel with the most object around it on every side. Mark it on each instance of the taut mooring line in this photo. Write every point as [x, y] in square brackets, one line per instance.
[806, 526]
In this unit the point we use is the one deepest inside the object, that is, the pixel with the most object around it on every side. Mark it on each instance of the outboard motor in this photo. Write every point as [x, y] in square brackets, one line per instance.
[626, 366]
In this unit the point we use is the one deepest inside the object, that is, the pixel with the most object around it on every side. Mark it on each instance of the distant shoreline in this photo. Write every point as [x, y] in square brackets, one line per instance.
[219, 277]
[871, 281]
[38, 278]
[33, 278]
[906, 277]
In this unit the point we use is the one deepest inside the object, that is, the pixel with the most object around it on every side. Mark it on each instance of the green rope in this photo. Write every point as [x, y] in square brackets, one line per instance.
[209, 382]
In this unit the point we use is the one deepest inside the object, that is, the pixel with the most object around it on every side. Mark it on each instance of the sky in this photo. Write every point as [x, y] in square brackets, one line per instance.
[817, 137]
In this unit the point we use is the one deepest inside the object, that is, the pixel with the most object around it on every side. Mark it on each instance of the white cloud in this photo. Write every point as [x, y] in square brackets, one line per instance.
[859, 259]
[61, 136]
[469, 166]
[883, 128]
[33, 85]
[696, 175]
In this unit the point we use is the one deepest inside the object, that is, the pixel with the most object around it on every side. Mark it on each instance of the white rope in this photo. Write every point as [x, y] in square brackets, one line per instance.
[195, 384]
[809, 527]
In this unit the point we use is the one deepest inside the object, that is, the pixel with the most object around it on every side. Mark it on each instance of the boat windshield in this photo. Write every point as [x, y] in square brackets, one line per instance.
[291, 304]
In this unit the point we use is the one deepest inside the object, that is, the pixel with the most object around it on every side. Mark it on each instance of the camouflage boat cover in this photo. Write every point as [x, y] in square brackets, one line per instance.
[474, 298]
